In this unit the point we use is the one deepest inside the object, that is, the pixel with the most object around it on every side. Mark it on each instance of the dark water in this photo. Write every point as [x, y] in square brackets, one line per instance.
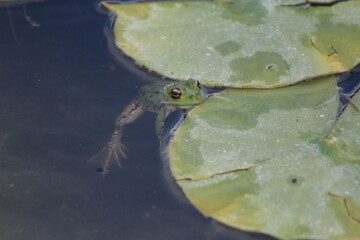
[60, 92]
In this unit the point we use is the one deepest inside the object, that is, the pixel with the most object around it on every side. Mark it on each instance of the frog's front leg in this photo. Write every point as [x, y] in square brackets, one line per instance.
[110, 153]
[160, 121]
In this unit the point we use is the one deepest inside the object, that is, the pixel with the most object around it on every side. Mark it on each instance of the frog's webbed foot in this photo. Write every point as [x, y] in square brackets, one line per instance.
[111, 153]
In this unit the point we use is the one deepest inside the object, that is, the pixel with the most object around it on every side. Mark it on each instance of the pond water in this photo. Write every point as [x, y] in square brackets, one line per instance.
[61, 88]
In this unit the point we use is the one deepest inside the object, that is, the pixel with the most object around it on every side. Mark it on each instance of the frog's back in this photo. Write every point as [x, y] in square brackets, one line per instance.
[151, 95]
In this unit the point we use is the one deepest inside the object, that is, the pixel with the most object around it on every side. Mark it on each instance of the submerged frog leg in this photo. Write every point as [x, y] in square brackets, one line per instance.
[160, 121]
[110, 153]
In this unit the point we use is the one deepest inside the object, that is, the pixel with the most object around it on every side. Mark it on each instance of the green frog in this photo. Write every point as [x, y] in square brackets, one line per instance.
[162, 98]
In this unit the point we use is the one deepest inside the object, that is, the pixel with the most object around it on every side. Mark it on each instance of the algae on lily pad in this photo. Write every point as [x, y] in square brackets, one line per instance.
[259, 160]
[239, 43]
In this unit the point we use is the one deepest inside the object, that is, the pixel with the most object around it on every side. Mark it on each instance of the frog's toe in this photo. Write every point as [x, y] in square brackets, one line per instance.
[119, 148]
[111, 153]
[116, 157]
[106, 157]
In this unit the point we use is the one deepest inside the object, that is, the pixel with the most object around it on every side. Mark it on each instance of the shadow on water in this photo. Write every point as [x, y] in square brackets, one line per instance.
[60, 92]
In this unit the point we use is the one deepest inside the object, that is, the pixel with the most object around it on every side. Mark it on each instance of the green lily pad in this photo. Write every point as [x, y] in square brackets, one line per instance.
[260, 160]
[239, 43]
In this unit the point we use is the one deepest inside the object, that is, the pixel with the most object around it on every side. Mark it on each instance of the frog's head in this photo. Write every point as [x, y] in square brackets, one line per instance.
[187, 93]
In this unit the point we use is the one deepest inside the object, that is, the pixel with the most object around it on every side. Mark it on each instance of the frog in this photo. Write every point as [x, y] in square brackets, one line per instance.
[162, 98]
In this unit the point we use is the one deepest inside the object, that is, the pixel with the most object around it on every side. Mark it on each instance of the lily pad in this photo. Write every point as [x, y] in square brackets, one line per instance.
[239, 43]
[260, 160]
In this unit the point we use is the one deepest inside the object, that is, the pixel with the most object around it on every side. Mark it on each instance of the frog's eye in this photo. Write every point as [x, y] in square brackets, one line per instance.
[175, 93]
